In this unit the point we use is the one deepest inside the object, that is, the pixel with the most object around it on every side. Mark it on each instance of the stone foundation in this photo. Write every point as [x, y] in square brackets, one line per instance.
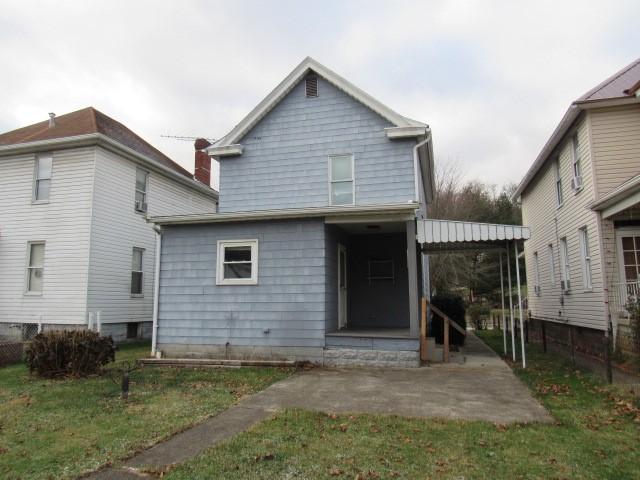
[241, 352]
[118, 331]
[17, 332]
[585, 340]
[347, 357]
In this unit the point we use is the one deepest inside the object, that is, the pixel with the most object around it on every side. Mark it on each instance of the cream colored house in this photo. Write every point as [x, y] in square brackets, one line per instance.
[581, 198]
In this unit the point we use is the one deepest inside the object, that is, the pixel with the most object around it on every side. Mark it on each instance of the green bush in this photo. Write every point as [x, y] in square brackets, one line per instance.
[479, 315]
[74, 353]
[453, 307]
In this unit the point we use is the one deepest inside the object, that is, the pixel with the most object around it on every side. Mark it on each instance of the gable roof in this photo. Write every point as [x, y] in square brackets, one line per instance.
[623, 85]
[284, 87]
[88, 121]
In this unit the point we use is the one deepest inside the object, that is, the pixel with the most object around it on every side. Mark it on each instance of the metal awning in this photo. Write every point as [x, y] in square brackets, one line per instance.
[439, 235]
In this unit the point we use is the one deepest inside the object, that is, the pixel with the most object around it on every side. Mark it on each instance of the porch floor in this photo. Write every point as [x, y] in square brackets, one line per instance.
[371, 333]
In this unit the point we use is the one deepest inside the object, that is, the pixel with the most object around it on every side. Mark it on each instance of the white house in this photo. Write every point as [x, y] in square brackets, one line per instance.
[581, 198]
[76, 249]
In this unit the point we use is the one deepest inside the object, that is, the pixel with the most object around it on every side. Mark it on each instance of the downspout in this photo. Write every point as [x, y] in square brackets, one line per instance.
[416, 163]
[156, 290]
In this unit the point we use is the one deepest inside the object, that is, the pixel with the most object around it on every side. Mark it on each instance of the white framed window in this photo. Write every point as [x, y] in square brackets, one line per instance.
[552, 265]
[564, 264]
[559, 199]
[142, 181]
[576, 183]
[237, 262]
[341, 180]
[42, 177]
[586, 258]
[137, 272]
[536, 274]
[35, 267]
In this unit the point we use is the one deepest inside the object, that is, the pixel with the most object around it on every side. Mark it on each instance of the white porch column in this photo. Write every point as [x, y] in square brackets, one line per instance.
[504, 318]
[513, 334]
[412, 269]
[524, 361]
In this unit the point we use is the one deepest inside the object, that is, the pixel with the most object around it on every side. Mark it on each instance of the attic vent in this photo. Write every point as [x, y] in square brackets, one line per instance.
[311, 86]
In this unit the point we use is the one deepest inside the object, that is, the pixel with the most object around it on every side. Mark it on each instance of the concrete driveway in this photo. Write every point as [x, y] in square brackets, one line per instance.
[477, 385]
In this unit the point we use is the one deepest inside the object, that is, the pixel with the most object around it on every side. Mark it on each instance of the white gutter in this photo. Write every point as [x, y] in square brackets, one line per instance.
[110, 144]
[416, 162]
[156, 290]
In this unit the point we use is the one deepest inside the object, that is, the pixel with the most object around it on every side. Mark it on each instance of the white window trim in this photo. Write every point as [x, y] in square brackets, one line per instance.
[619, 233]
[145, 193]
[141, 294]
[36, 179]
[565, 266]
[552, 265]
[353, 178]
[222, 244]
[575, 161]
[558, 184]
[28, 267]
[585, 257]
[536, 274]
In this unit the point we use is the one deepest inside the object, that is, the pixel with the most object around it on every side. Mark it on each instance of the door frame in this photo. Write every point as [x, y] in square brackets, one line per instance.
[342, 309]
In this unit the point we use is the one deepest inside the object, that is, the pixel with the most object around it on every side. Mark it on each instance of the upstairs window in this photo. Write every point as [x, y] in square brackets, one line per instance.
[586, 258]
[341, 180]
[35, 267]
[311, 86]
[142, 180]
[564, 263]
[559, 199]
[237, 262]
[137, 272]
[42, 177]
[576, 182]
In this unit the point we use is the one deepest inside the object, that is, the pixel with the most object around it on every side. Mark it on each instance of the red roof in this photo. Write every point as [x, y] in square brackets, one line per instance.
[622, 84]
[87, 121]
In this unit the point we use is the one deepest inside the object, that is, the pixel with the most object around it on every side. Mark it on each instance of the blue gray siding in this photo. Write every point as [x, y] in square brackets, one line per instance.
[285, 158]
[288, 302]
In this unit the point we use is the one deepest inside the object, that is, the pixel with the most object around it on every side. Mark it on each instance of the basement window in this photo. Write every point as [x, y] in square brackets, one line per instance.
[237, 262]
[132, 330]
[311, 86]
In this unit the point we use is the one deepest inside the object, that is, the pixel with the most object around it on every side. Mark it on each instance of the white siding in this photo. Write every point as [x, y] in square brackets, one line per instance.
[63, 224]
[117, 228]
[616, 146]
[539, 212]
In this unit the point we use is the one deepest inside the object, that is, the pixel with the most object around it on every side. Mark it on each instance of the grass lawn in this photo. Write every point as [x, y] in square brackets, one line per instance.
[61, 428]
[597, 436]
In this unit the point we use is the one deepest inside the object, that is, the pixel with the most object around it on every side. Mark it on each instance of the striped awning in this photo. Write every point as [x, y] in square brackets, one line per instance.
[454, 235]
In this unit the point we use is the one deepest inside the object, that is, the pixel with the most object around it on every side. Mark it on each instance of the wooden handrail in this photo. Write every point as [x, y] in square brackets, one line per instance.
[446, 323]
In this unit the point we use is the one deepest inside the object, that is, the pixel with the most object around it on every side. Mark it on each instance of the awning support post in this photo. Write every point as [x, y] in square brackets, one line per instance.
[524, 360]
[504, 318]
[512, 322]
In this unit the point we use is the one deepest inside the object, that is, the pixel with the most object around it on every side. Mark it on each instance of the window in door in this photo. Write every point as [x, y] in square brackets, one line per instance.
[631, 257]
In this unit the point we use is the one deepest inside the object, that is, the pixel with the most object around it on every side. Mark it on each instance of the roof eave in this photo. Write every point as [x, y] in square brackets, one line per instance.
[102, 140]
[290, 213]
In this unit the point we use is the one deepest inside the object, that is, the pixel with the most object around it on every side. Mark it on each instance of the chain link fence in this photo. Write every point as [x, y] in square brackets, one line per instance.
[13, 341]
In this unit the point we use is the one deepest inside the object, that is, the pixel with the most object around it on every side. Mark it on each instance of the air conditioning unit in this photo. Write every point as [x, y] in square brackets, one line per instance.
[141, 206]
[576, 183]
[565, 285]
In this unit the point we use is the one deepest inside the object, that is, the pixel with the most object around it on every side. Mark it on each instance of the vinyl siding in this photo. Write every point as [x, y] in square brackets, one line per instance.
[288, 302]
[616, 146]
[63, 223]
[285, 158]
[539, 212]
[117, 228]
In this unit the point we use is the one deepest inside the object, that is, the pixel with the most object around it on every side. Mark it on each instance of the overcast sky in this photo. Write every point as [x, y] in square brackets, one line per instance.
[491, 78]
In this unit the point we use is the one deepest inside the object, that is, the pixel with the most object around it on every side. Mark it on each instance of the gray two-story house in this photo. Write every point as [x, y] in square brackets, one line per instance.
[312, 255]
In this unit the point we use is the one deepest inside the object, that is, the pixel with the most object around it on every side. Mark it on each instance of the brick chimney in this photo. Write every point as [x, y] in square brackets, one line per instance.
[202, 171]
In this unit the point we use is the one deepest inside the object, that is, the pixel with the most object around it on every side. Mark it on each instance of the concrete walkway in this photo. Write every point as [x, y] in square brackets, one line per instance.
[477, 385]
